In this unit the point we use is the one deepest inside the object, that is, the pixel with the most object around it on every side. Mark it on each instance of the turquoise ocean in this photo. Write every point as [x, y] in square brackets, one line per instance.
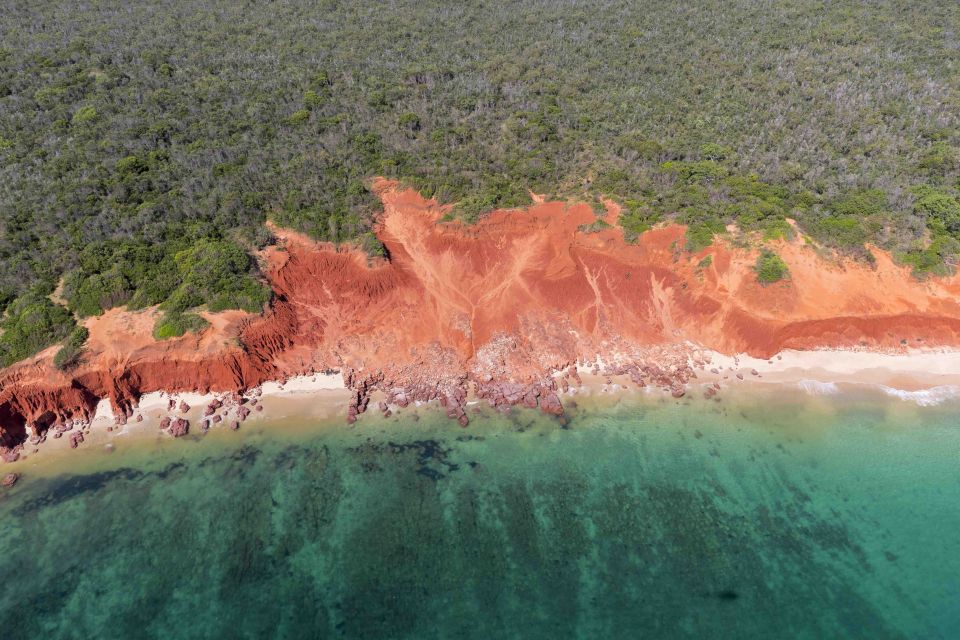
[770, 514]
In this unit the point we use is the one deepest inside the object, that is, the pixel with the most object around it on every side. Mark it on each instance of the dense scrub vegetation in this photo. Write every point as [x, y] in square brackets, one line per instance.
[31, 323]
[138, 138]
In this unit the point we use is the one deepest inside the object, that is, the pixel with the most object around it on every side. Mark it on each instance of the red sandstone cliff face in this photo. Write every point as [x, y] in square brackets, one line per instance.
[497, 306]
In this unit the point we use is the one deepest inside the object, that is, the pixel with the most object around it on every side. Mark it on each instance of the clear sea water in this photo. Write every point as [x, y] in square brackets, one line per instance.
[771, 515]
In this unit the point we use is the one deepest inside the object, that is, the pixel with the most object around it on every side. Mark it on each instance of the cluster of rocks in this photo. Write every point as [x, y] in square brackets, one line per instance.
[75, 439]
[671, 374]
[177, 427]
[450, 393]
[122, 415]
[542, 394]
[231, 409]
[75, 429]
[455, 402]
[669, 370]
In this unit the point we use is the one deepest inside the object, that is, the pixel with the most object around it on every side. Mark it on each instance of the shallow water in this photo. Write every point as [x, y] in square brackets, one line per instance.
[770, 515]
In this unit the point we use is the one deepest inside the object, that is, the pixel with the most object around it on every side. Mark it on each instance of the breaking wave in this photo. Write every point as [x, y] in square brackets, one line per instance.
[921, 397]
[924, 397]
[817, 388]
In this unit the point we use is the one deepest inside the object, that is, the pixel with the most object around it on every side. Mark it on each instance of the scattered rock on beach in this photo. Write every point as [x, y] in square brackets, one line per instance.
[184, 407]
[179, 427]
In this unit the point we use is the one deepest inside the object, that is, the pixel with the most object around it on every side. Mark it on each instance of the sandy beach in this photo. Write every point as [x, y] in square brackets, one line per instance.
[918, 378]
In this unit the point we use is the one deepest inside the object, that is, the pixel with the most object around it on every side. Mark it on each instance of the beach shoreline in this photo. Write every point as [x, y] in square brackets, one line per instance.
[918, 378]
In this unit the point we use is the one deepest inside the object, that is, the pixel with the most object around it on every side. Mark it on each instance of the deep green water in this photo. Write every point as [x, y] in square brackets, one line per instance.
[773, 516]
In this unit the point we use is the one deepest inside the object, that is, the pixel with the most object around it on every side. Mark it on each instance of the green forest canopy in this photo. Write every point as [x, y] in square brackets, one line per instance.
[143, 146]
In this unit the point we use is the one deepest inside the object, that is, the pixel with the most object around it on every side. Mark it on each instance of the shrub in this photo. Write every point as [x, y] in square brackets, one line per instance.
[703, 170]
[299, 117]
[700, 233]
[770, 268]
[69, 354]
[84, 115]
[843, 232]
[635, 219]
[939, 160]
[932, 259]
[67, 358]
[91, 295]
[862, 202]
[940, 210]
[594, 227]
[313, 100]
[409, 121]
[372, 245]
[175, 324]
[713, 151]
[635, 145]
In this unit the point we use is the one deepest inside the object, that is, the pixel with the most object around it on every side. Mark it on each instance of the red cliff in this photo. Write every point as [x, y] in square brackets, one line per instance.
[498, 305]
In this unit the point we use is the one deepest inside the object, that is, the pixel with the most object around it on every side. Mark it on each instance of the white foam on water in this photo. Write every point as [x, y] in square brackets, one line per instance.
[818, 388]
[924, 397]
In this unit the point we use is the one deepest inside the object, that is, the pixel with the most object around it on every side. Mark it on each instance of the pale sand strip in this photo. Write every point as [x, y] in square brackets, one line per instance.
[908, 371]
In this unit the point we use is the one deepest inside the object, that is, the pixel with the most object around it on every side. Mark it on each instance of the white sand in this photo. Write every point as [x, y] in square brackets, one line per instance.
[305, 384]
[908, 371]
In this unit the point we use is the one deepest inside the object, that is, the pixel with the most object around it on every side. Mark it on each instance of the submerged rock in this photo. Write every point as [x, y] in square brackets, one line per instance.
[10, 479]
